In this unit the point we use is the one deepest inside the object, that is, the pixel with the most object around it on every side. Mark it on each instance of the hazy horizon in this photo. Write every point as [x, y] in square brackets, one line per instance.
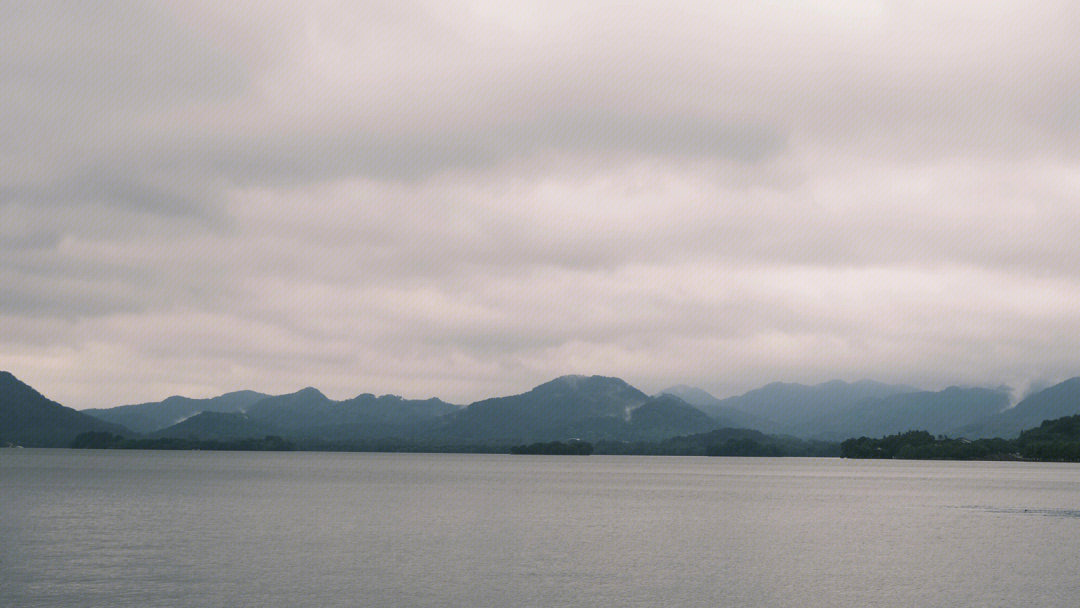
[467, 199]
[1017, 392]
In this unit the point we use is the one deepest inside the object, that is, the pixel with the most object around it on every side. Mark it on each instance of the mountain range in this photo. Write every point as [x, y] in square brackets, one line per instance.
[593, 408]
[577, 407]
[149, 417]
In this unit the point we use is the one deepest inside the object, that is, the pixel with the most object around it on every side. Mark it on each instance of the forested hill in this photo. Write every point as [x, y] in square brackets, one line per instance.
[29, 419]
[1053, 440]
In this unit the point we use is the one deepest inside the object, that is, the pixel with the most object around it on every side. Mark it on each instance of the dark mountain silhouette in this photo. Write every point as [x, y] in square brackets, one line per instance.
[594, 408]
[310, 414]
[1051, 403]
[220, 426]
[796, 407]
[567, 407]
[727, 416]
[309, 407]
[29, 419]
[667, 416]
[152, 416]
[593, 404]
[941, 412]
[304, 407]
[392, 409]
[577, 407]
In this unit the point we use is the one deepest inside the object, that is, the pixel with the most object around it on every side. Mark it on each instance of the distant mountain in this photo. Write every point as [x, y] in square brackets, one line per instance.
[667, 416]
[941, 412]
[590, 408]
[309, 414]
[577, 407]
[29, 419]
[795, 406]
[693, 395]
[219, 426]
[304, 407]
[549, 411]
[153, 416]
[725, 415]
[392, 409]
[1051, 403]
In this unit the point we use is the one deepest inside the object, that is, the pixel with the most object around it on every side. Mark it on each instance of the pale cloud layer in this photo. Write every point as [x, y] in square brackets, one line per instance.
[467, 199]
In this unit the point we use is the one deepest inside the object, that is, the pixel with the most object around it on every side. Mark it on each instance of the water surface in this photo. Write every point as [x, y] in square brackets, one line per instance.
[133, 528]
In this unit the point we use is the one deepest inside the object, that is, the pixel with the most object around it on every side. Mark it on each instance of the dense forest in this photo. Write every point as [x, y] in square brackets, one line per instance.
[1053, 440]
[570, 448]
[723, 442]
[106, 440]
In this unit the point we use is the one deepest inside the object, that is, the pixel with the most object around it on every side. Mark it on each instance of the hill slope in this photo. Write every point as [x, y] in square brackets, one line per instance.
[219, 426]
[941, 412]
[795, 407]
[29, 419]
[309, 414]
[725, 415]
[548, 411]
[589, 408]
[1051, 403]
[156, 415]
[668, 416]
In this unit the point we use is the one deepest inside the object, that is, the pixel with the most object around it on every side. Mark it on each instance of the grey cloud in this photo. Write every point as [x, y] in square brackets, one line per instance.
[84, 81]
[604, 218]
[414, 156]
[670, 135]
[458, 200]
[15, 240]
[35, 297]
[110, 188]
[109, 54]
[84, 295]
[86, 260]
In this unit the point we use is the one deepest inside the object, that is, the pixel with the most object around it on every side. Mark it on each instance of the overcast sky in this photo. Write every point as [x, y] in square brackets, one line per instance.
[466, 199]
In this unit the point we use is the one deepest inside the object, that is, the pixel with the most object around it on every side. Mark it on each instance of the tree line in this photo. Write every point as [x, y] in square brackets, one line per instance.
[1054, 440]
[111, 441]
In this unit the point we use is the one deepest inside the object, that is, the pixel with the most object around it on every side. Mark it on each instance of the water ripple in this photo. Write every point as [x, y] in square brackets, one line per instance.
[1069, 513]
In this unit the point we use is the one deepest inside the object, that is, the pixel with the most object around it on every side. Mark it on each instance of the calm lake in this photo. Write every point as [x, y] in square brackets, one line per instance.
[129, 528]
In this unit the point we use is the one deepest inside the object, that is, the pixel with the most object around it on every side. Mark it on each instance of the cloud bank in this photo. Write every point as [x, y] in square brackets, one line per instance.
[466, 199]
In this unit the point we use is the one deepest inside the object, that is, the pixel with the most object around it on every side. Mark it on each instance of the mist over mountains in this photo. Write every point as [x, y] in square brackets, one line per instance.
[149, 417]
[592, 408]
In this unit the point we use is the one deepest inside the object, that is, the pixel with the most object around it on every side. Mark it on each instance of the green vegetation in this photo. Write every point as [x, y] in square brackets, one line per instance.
[1057, 440]
[399, 444]
[1053, 440]
[30, 420]
[723, 442]
[112, 441]
[570, 448]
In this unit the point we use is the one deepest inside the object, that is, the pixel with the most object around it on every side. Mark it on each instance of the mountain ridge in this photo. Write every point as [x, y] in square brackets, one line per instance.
[154, 415]
[29, 419]
[598, 408]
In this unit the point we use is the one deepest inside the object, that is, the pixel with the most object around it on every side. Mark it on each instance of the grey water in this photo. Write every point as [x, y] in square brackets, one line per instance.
[131, 528]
